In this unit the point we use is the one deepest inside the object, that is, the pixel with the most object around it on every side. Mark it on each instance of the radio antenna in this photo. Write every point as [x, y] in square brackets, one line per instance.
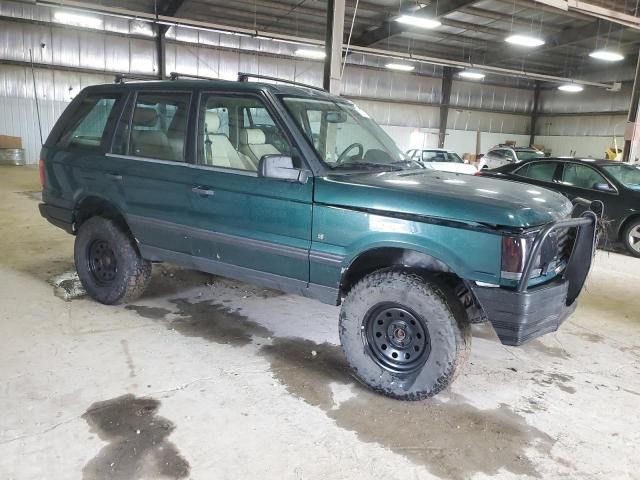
[35, 92]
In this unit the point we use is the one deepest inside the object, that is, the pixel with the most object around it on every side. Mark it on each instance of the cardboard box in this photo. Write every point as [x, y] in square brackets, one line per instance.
[511, 143]
[7, 141]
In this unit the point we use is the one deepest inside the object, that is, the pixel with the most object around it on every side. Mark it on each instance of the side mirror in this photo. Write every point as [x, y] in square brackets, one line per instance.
[281, 167]
[603, 187]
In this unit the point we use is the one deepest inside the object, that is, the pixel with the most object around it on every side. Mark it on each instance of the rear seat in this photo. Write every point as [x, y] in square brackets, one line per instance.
[150, 141]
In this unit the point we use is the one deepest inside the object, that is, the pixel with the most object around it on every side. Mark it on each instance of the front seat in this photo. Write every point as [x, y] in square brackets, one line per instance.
[252, 144]
[218, 151]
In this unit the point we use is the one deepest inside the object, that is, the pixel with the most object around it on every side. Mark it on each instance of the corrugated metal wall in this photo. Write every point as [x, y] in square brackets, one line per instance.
[122, 45]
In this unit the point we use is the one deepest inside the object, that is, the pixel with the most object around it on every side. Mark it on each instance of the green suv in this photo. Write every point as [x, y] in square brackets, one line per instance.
[294, 189]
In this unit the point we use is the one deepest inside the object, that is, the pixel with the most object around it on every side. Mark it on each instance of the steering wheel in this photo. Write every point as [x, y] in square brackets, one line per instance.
[342, 157]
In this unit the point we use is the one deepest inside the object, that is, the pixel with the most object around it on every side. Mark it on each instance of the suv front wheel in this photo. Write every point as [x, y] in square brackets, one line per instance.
[404, 335]
[108, 262]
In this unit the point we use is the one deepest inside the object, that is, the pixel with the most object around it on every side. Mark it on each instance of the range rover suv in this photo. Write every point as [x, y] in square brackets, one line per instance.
[298, 190]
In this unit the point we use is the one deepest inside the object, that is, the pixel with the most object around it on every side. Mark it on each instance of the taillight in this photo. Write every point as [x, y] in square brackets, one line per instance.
[514, 254]
[41, 168]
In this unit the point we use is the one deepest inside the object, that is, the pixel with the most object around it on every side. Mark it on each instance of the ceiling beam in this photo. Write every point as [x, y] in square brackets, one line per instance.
[389, 28]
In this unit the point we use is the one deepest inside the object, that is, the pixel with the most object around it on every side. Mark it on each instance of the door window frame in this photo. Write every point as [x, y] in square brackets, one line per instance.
[132, 100]
[278, 121]
[561, 176]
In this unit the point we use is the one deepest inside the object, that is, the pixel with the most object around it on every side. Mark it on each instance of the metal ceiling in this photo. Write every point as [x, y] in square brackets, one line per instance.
[472, 31]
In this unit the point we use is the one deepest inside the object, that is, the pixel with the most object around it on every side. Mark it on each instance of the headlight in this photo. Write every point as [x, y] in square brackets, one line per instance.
[552, 256]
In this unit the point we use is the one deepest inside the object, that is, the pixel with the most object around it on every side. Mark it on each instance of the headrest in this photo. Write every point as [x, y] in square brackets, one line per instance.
[212, 122]
[145, 117]
[252, 136]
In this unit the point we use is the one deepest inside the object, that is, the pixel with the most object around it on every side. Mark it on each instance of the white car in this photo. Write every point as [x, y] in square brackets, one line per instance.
[505, 154]
[441, 159]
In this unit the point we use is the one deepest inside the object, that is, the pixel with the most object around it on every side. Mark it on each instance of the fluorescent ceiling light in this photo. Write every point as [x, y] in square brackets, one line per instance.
[422, 22]
[571, 87]
[310, 53]
[472, 75]
[524, 41]
[77, 19]
[607, 55]
[400, 66]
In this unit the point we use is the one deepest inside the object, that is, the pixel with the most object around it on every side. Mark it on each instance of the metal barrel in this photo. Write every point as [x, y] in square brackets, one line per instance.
[12, 156]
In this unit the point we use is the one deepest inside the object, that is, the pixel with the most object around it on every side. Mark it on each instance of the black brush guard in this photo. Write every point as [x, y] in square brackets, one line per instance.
[524, 313]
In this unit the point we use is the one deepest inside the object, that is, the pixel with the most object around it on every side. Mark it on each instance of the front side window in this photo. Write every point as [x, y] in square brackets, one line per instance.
[343, 135]
[543, 171]
[159, 126]
[581, 176]
[87, 128]
[627, 175]
[236, 132]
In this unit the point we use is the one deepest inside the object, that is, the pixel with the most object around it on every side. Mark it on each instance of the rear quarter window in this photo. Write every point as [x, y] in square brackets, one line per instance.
[87, 127]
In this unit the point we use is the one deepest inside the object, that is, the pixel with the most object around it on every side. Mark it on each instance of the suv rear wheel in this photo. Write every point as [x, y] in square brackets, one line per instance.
[404, 335]
[108, 262]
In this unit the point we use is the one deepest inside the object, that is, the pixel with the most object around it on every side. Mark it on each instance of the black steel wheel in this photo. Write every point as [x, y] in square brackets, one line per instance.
[404, 335]
[102, 262]
[397, 338]
[108, 261]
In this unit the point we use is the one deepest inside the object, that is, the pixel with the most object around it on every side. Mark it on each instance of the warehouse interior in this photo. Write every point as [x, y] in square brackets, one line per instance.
[212, 377]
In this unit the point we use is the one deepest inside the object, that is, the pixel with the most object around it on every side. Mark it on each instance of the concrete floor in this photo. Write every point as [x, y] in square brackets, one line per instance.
[206, 378]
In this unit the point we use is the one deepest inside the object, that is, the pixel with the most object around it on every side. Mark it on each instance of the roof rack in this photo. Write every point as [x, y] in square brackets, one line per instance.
[178, 75]
[121, 77]
[244, 77]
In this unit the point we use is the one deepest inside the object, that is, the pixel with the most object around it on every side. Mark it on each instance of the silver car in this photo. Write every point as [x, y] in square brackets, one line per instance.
[505, 154]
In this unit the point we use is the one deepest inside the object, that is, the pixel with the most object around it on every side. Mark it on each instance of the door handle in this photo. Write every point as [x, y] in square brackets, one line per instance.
[203, 191]
[115, 177]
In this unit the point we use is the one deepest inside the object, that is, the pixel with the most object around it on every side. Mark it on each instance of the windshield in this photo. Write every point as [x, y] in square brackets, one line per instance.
[440, 156]
[344, 136]
[527, 154]
[627, 175]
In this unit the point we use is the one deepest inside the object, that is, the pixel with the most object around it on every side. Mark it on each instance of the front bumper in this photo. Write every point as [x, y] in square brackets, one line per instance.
[522, 314]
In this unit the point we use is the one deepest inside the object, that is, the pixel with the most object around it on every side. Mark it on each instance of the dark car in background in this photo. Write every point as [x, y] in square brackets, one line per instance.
[615, 183]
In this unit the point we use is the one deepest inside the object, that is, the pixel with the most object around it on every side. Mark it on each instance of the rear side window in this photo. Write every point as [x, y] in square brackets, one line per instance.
[543, 171]
[88, 127]
[159, 126]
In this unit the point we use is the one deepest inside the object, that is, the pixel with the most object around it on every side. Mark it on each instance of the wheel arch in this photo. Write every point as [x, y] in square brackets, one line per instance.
[91, 205]
[376, 258]
[624, 224]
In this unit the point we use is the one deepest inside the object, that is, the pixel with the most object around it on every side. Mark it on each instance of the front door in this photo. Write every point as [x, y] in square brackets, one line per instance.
[248, 227]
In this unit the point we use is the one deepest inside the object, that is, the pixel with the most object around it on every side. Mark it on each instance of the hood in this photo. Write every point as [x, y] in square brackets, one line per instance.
[445, 195]
[452, 167]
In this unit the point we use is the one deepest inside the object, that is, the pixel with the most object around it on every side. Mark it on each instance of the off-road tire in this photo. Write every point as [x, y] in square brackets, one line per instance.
[132, 273]
[633, 224]
[435, 305]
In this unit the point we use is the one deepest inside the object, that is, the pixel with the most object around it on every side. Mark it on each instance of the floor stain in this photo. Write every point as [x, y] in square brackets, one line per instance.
[127, 356]
[67, 286]
[452, 439]
[536, 346]
[588, 336]
[153, 313]
[33, 195]
[558, 379]
[138, 445]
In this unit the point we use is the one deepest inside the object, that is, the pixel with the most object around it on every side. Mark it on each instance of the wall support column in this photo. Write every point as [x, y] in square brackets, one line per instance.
[534, 113]
[630, 133]
[161, 50]
[447, 81]
[333, 46]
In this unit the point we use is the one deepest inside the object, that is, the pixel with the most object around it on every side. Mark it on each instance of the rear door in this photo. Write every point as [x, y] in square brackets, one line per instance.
[149, 160]
[248, 227]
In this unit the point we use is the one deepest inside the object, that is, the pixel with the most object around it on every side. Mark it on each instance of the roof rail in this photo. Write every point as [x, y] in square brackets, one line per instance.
[121, 77]
[178, 75]
[244, 77]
